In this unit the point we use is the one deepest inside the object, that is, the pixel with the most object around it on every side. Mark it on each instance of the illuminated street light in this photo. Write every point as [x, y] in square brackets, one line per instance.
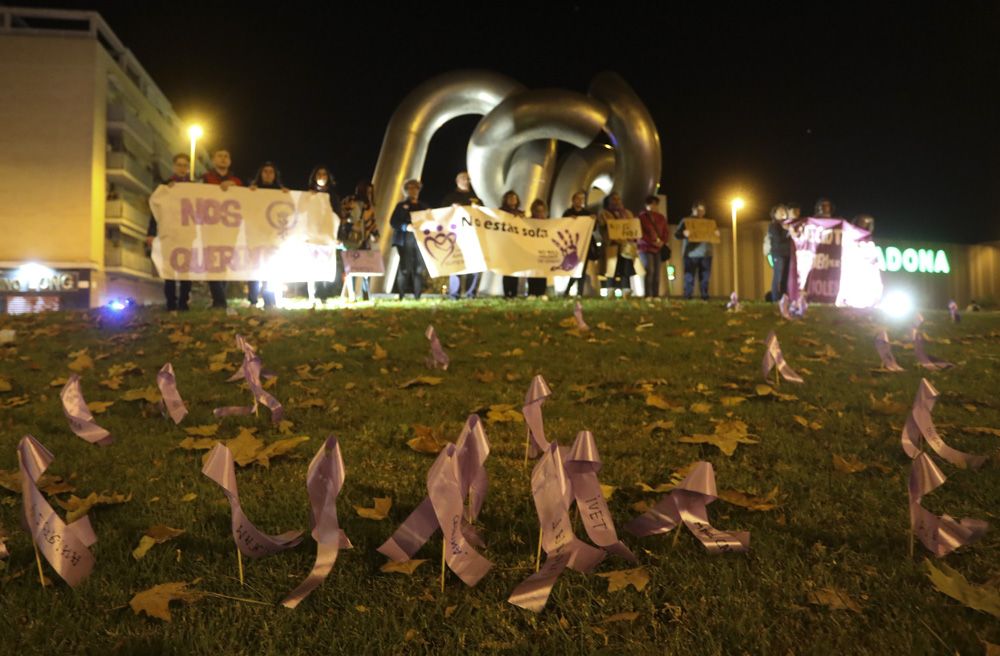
[737, 204]
[195, 132]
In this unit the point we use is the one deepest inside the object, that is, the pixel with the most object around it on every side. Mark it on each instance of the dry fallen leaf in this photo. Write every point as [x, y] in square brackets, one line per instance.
[607, 491]
[202, 431]
[701, 408]
[151, 394]
[621, 617]
[738, 498]
[406, 567]
[189, 497]
[952, 583]
[664, 425]
[421, 380]
[155, 601]
[731, 401]
[503, 412]
[657, 401]
[802, 421]
[197, 444]
[113, 383]
[621, 579]
[98, 407]
[982, 430]
[76, 507]
[278, 448]
[887, 405]
[426, 440]
[81, 362]
[728, 435]
[58, 382]
[379, 353]
[380, 510]
[155, 535]
[833, 599]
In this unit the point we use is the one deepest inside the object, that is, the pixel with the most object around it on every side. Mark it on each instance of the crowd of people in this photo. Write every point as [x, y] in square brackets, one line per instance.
[611, 264]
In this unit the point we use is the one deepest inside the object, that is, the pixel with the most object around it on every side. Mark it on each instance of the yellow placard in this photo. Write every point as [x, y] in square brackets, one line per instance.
[624, 229]
[701, 230]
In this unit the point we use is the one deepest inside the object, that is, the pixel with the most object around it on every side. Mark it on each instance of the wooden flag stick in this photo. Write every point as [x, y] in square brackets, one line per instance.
[444, 544]
[527, 448]
[239, 561]
[538, 555]
[38, 560]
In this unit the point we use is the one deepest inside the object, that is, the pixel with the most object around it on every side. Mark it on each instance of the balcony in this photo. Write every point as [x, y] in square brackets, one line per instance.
[122, 121]
[126, 255]
[124, 169]
[129, 214]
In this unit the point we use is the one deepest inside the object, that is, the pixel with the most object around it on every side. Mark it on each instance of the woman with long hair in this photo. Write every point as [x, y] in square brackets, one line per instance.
[511, 203]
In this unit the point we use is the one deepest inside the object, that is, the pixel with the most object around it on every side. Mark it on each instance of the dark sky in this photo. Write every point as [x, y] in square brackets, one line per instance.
[889, 110]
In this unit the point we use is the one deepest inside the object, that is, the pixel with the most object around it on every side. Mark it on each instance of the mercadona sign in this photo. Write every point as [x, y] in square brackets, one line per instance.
[913, 260]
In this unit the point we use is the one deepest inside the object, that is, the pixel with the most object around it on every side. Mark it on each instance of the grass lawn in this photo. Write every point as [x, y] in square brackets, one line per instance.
[830, 530]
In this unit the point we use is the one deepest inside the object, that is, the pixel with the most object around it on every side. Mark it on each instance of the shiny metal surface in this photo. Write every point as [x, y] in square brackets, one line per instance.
[578, 171]
[531, 171]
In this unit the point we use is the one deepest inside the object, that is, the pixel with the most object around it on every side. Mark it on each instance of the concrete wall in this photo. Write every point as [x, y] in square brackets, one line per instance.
[51, 113]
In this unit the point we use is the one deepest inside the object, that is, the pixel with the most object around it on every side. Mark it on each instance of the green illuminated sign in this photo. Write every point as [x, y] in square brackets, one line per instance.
[913, 260]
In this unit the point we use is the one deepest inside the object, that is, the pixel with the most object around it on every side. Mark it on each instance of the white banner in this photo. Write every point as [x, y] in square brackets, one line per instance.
[455, 240]
[363, 263]
[205, 233]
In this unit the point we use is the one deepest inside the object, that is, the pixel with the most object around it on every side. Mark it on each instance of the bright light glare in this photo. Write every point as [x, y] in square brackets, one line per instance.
[117, 306]
[195, 132]
[738, 203]
[32, 272]
[897, 304]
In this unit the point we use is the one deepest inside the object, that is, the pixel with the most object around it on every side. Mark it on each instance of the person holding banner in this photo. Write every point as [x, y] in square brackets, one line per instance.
[653, 245]
[267, 178]
[411, 264]
[511, 203]
[359, 216]
[220, 174]
[321, 181]
[780, 251]
[462, 194]
[697, 255]
[537, 286]
[578, 207]
[620, 253]
[181, 173]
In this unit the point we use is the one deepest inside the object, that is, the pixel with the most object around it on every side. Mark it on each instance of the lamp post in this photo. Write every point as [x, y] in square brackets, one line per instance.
[195, 132]
[737, 205]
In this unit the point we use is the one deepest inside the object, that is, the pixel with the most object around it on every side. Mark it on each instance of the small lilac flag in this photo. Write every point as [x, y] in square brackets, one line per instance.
[920, 427]
[81, 421]
[773, 357]
[438, 359]
[172, 401]
[941, 535]
[884, 348]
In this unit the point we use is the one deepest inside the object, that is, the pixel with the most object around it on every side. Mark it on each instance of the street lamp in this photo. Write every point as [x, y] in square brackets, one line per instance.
[737, 205]
[195, 132]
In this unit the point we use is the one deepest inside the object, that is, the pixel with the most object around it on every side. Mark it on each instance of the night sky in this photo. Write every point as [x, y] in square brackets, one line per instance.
[891, 111]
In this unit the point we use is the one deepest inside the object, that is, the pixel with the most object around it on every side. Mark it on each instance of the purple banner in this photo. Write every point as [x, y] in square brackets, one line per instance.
[834, 262]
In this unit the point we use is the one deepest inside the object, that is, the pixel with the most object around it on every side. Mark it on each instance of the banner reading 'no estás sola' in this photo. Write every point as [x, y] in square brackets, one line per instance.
[205, 233]
[457, 239]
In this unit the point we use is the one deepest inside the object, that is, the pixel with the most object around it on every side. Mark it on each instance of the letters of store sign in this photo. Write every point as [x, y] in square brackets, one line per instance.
[60, 282]
[913, 260]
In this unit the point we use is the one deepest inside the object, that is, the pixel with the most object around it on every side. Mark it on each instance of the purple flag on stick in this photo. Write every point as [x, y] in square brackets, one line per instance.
[252, 372]
[578, 315]
[734, 303]
[923, 359]
[438, 358]
[65, 546]
[773, 357]
[582, 464]
[784, 307]
[324, 482]
[919, 427]
[532, 411]
[562, 548]
[798, 307]
[251, 541]
[470, 452]
[81, 421]
[953, 311]
[167, 383]
[688, 503]
[884, 349]
[941, 535]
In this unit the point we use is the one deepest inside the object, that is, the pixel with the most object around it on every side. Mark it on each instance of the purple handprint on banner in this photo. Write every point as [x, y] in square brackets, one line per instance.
[567, 244]
[439, 244]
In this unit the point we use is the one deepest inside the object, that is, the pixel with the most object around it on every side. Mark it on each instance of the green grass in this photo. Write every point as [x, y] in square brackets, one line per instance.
[831, 529]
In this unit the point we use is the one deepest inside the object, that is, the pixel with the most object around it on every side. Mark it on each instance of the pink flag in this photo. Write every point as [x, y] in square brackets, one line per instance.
[923, 359]
[688, 503]
[252, 372]
[941, 535]
[532, 410]
[562, 548]
[953, 311]
[65, 546]
[784, 307]
[920, 427]
[773, 357]
[582, 464]
[734, 303]
[884, 349]
[167, 383]
[472, 450]
[251, 541]
[438, 359]
[324, 481]
[81, 421]
[578, 315]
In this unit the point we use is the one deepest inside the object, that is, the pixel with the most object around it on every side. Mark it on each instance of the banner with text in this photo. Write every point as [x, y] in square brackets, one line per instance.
[205, 233]
[624, 229]
[455, 240]
[835, 262]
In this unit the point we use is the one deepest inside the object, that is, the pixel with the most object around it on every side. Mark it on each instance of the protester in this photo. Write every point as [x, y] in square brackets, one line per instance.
[511, 203]
[823, 209]
[653, 248]
[321, 181]
[267, 177]
[462, 194]
[411, 265]
[780, 249]
[220, 174]
[537, 286]
[865, 222]
[359, 216]
[181, 173]
[697, 255]
[620, 254]
[594, 251]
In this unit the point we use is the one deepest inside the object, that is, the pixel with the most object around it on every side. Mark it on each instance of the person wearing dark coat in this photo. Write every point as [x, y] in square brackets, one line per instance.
[578, 207]
[321, 181]
[220, 174]
[410, 273]
[511, 203]
[267, 177]
[463, 195]
[781, 248]
[181, 173]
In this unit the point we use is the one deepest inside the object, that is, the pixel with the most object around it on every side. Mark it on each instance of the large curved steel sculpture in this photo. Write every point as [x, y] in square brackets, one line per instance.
[514, 146]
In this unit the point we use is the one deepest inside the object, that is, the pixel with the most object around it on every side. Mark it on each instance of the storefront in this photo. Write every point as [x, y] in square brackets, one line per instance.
[36, 288]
